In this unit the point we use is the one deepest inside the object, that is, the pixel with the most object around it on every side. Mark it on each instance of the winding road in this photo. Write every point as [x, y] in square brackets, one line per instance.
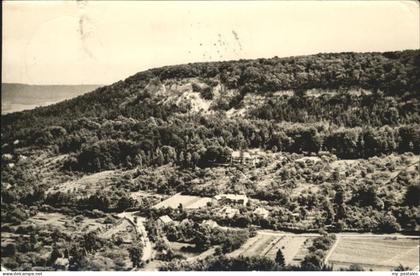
[147, 250]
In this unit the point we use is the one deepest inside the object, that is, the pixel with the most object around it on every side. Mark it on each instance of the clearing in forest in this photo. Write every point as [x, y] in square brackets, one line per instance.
[376, 253]
[188, 202]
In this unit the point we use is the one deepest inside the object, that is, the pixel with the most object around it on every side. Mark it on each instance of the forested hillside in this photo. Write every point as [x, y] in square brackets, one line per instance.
[356, 105]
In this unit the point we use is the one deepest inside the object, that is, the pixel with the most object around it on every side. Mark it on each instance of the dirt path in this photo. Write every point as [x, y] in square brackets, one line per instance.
[147, 250]
[349, 234]
[332, 249]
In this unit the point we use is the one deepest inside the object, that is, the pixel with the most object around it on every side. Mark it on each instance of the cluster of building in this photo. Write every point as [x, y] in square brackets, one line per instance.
[244, 157]
[230, 203]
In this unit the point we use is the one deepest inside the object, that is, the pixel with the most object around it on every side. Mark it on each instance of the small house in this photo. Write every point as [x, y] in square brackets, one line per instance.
[61, 264]
[165, 219]
[22, 157]
[186, 221]
[232, 199]
[296, 215]
[210, 223]
[242, 157]
[229, 212]
[7, 157]
[261, 212]
[6, 186]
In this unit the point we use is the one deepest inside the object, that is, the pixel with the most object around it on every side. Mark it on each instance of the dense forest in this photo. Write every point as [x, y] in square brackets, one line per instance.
[129, 116]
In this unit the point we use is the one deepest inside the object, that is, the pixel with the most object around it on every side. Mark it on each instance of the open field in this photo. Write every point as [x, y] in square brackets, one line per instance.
[188, 202]
[55, 220]
[265, 244]
[376, 253]
[86, 185]
[78, 224]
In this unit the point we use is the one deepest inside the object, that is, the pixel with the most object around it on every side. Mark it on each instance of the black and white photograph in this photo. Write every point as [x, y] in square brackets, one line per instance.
[152, 136]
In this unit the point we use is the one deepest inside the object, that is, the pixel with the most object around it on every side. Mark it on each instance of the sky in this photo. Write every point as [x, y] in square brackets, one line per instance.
[102, 42]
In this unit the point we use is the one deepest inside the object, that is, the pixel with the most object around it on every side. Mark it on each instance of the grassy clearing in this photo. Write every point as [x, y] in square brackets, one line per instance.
[86, 185]
[376, 253]
[188, 202]
[65, 223]
[56, 220]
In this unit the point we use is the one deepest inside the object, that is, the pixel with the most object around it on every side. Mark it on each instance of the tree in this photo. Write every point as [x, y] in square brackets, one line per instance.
[77, 258]
[8, 196]
[33, 240]
[356, 267]
[215, 154]
[312, 262]
[124, 202]
[202, 241]
[90, 241]
[400, 267]
[136, 253]
[366, 195]
[280, 258]
[99, 201]
[388, 224]
[159, 157]
[339, 195]
[55, 254]
[9, 250]
[412, 196]
[329, 211]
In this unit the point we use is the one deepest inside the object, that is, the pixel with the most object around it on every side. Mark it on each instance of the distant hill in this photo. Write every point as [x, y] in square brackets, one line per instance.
[356, 105]
[18, 97]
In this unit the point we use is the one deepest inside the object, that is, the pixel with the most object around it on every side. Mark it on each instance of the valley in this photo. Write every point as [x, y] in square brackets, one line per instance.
[302, 163]
[18, 97]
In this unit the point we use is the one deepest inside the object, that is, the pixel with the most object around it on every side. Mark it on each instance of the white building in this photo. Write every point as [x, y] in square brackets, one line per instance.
[243, 157]
[229, 212]
[165, 219]
[210, 223]
[7, 157]
[261, 212]
[61, 264]
[232, 198]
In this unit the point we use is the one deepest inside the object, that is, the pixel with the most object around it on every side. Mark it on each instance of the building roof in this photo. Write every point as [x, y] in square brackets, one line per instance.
[240, 154]
[261, 211]
[231, 197]
[210, 223]
[185, 221]
[165, 219]
[7, 157]
[22, 157]
[6, 186]
[62, 262]
[229, 211]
